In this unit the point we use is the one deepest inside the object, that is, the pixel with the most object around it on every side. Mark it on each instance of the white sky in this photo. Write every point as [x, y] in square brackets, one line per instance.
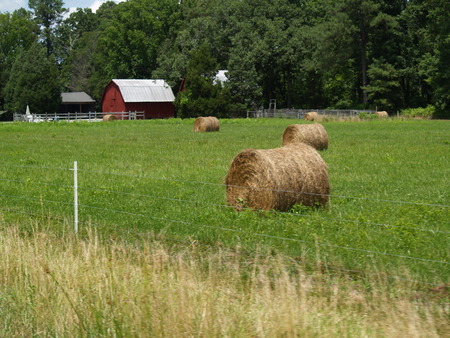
[12, 5]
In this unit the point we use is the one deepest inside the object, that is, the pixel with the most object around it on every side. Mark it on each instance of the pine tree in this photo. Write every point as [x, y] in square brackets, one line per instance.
[34, 82]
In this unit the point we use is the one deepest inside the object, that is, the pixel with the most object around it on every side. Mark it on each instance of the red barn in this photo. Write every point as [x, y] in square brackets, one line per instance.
[153, 97]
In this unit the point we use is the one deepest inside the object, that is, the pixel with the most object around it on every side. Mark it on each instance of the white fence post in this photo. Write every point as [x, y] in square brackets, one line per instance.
[75, 196]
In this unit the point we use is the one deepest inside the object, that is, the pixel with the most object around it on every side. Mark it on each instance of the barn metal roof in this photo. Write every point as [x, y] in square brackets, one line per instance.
[145, 90]
[76, 97]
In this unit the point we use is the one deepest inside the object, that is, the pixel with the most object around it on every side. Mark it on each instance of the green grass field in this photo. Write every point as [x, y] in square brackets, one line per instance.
[388, 212]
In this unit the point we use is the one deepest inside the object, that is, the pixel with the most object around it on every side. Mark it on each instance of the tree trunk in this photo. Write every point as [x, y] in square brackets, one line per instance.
[363, 51]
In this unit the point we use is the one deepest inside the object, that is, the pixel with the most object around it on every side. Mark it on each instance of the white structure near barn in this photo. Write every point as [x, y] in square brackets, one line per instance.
[221, 77]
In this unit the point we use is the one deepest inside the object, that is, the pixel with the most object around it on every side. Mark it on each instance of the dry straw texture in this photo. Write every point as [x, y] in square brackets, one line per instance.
[382, 114]
[313, 134]
[209, 123]
[311, 116]
[277, 178]
[109, 117]
[64, 286]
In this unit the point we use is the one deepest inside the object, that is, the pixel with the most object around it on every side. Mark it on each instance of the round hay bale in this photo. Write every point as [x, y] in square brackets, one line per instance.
[311, 116]
[205, 124]
[277, 178]
[109, 117]
[313, 134]
[381, 114]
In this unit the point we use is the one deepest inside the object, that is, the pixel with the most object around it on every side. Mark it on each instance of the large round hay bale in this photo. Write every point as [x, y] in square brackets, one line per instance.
[277, 178]
[109, 118]
[208, 123]
[313, 134]
[311, 116]
[381, 114]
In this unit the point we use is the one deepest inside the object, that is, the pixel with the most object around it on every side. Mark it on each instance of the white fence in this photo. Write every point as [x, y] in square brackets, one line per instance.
[89, 116]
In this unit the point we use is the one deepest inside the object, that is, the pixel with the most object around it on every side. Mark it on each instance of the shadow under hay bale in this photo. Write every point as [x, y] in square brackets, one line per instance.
[109, 118]
[312, 116]
[313, 134]
[381, 114]
[206, 124]
[276, 179]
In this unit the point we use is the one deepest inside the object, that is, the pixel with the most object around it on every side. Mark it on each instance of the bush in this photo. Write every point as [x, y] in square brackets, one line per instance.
[427, 112]
[367, 116]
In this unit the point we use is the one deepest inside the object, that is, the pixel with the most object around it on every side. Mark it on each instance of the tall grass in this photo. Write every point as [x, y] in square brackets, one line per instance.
[54, 285]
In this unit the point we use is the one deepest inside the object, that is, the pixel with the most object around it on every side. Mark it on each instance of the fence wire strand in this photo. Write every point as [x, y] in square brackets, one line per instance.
[32, 167]
[37, 183]
[267, 189]
[263, 235]
[223, 206]
[235, 186]
[36, 199]
[158, 237]
[276, 212]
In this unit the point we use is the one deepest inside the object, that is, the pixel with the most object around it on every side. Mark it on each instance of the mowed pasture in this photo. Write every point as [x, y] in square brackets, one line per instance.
[388, 211]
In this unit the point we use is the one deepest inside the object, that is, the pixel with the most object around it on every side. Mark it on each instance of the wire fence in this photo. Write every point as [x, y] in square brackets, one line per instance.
[71, 207]
[300, 113]
[231, 207]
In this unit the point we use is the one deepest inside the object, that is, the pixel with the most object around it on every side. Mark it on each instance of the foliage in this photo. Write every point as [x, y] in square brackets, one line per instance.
[441, 81]
[72, 29]
[129, 40]
[308, 54]
[48, 14]
[366, 116]
[17, 32]
[427, 112]
[384, 88]
[34, 82]
[203, 95]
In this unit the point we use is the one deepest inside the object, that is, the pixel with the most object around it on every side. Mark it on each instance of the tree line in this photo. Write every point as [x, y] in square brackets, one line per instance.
[384, 54]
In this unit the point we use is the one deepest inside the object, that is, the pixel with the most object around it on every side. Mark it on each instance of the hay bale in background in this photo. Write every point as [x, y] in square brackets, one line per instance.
[277, 178]
[109, 117]
[311, 116]
[204, 124]
[313, 134]
[381, 114]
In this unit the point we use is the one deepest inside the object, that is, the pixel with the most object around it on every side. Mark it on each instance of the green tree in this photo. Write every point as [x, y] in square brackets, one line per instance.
[418, 53]
[269, 39]
[384, 89]
[76, 41]
[245, 83]
[85, 66]
[79, 66]
[72, 29]
[198, 21]
[343, 41]
[425, 75]
[355, 43]
[303, 53]
[203, 95]
[440, 27]
[48, 14]
[129, 40]
[33, 81]
[17, 32]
